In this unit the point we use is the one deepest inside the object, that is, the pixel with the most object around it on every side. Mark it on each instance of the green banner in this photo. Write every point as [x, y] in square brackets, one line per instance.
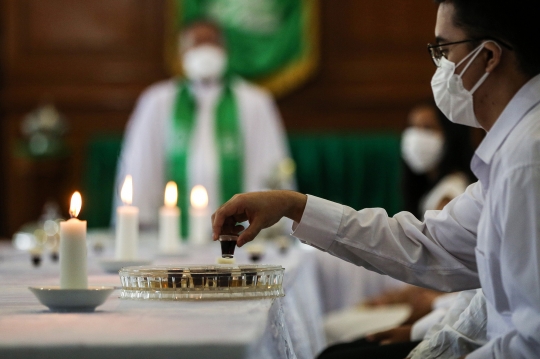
[270, 42]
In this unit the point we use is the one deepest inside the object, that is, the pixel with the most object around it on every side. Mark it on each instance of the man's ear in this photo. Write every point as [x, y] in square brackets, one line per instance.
[494, 53]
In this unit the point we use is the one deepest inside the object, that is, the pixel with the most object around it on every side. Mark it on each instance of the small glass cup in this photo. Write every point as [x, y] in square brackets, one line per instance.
[228, 244]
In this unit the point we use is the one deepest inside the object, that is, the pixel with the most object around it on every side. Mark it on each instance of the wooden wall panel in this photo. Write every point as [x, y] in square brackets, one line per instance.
[93, 58]
[83, 42]
[374, 66]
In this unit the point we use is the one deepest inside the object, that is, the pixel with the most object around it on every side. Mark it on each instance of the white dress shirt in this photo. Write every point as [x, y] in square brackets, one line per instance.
[440, 307]
[461, 331]
[489, 236]
[450, 186]
[144, 150]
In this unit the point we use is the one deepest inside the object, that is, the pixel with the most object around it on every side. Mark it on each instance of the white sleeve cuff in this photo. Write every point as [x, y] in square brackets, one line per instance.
[320, 223]
[484, 352]
[424, 324]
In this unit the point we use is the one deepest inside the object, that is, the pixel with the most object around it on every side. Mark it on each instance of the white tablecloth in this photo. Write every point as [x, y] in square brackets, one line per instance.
[288, 327]
[343, 284]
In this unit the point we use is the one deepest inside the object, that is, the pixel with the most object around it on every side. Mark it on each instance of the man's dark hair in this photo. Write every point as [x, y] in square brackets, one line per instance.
[512, 22]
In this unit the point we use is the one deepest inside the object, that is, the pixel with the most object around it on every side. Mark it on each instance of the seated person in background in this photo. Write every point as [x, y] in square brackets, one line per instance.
[209, 129]
[436, 155]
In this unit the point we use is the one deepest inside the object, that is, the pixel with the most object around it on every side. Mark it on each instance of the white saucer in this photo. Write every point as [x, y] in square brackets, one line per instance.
[114, 265]
[72, 300]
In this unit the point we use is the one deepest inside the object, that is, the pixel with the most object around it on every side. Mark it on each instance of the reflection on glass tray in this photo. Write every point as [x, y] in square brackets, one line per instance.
[202, 282]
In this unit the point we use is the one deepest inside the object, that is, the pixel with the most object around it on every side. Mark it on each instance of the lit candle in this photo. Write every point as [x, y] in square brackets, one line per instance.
[169, 220]
[199, 217]
[127, 224]
[73, 248]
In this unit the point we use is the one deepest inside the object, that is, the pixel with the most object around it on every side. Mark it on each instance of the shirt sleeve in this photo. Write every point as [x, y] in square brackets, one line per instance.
[423, 325]
[462, 330]
[516, 265]
[437, 253]
[440, 306]
[449, 187]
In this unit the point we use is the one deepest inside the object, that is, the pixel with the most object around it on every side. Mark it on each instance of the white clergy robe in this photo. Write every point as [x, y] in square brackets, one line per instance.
[144, 149]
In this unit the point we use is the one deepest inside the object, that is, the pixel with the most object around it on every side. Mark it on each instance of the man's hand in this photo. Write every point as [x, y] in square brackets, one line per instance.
[260, 209]
[400, 334]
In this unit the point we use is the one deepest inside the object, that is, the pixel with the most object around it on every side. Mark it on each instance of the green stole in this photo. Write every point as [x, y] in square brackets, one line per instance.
[230, 147]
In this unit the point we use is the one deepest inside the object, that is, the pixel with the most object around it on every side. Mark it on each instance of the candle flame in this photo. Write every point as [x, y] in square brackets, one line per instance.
[199, 197]
[171, 194]
[76, 204]
[126, 193]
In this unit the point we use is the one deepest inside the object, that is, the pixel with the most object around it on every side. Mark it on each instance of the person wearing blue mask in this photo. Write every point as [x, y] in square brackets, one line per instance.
[487, 75]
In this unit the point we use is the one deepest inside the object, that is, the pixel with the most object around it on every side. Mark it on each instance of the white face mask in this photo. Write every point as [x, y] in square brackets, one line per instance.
[421, 149]
[204, 62]
[451, 97]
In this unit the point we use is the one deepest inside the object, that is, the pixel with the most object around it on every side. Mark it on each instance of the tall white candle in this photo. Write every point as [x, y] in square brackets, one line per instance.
[199, 216]
[127, 224]
[73, 249]
[169, 220]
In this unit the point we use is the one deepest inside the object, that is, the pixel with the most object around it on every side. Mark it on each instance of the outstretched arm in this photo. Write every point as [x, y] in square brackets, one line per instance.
[261, 209]
[437, 253]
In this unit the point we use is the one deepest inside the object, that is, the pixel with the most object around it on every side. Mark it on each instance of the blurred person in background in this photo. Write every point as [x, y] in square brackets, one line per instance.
[437, 156]
[436, 168]
[209, 128]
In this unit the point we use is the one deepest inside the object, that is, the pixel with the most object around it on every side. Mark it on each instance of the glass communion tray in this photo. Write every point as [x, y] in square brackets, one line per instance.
[202, 282]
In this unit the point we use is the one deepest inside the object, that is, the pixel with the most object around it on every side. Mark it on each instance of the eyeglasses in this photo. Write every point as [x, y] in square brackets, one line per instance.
[437, 52]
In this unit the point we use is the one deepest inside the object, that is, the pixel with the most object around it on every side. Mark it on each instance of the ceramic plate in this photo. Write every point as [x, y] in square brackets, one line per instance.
[72, 300]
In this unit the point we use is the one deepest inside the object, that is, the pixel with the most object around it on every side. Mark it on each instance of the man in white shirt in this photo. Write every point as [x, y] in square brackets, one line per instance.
[181, 128]
[488, 76]
[461, 331]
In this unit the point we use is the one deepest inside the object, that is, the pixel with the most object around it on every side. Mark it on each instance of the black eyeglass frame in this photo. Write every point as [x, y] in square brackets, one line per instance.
[432, 47]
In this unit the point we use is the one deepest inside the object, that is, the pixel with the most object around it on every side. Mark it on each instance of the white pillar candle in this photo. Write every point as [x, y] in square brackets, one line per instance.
[127, 224]
[199, 217]
[169, 220]
[73, 249]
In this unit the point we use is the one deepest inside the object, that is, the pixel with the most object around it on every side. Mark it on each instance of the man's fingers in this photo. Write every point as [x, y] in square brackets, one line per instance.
[220, 217]
[230, 227]
[238, 228]
[240, 217]
[249, 234]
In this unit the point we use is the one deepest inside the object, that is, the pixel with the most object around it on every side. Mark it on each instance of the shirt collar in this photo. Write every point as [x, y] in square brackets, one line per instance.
[522, 102]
